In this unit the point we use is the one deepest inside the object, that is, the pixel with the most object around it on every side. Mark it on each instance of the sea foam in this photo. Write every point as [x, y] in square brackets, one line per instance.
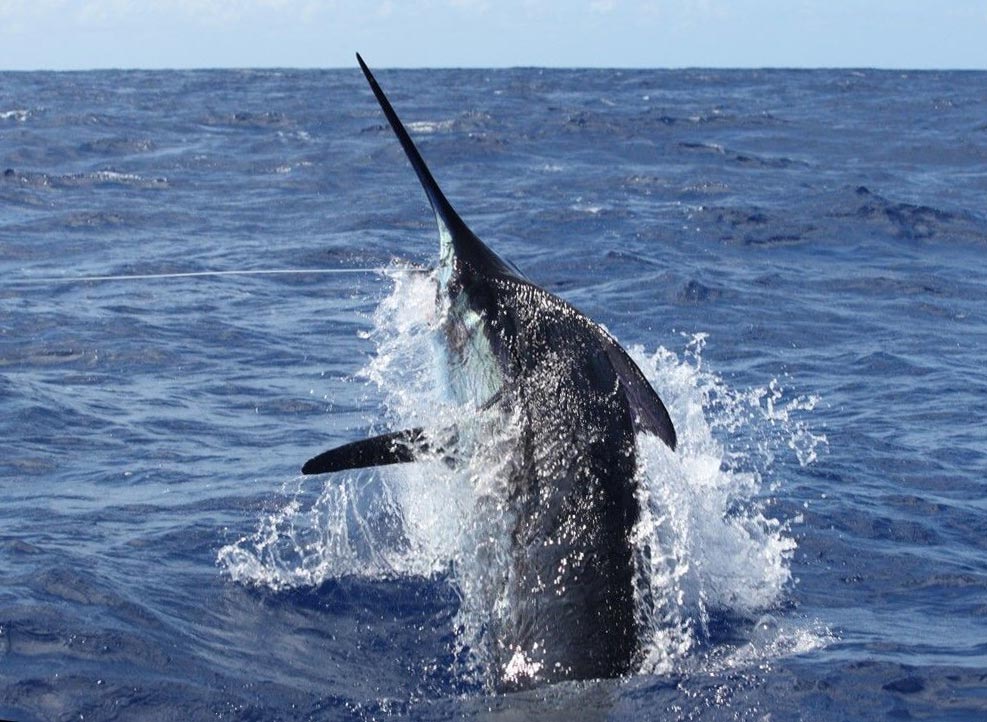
[705, 544]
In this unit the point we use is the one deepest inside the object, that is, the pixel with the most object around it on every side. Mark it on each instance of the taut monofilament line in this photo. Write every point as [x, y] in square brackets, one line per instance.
[207, 274]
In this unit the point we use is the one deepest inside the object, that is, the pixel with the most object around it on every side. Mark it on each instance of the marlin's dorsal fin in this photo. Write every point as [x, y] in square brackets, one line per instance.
[455, 238]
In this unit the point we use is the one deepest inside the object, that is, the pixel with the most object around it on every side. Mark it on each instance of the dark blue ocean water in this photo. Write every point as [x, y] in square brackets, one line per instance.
[796, 259]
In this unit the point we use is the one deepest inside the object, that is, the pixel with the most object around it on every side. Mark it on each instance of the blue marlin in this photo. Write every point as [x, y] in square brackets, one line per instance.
[579, 402]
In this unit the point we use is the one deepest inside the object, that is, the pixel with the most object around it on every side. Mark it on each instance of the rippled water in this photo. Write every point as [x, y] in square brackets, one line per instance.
[795, 259]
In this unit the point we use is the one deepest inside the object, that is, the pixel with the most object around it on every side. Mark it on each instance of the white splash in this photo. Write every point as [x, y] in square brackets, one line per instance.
[704, 540]
[705, 543]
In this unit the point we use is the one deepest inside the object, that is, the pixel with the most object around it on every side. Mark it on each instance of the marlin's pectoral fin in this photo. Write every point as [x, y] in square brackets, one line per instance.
[651, 415]
[397, 447]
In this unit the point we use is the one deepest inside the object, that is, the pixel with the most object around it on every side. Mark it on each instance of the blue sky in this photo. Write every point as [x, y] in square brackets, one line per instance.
[74, 34]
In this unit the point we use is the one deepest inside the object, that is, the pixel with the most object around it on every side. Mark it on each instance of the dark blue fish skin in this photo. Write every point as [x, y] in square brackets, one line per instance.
[571, 587]
[572, 485]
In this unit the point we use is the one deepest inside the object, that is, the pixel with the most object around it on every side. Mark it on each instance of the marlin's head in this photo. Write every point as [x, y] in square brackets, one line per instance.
[459, 248]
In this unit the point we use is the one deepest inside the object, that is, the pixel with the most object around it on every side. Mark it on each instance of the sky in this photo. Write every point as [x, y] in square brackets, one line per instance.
[76, 34]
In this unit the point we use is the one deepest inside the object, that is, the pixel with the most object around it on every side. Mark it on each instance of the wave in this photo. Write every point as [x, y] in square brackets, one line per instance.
[17, 114]
[81, 180]
[911, 221]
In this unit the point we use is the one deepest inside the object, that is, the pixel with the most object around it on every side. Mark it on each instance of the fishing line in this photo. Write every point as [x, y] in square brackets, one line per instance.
[204, 274]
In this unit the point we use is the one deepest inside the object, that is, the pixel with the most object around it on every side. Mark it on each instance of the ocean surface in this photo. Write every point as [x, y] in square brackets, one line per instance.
[796, 259]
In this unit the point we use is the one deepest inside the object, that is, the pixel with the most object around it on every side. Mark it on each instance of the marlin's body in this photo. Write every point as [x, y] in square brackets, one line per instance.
[579, 402]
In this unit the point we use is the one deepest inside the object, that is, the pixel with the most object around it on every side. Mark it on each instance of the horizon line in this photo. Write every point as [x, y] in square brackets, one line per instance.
[197, 68]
